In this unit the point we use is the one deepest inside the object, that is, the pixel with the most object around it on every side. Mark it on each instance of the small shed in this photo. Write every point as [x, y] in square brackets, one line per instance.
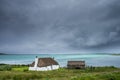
[44, 64]
[76, 64]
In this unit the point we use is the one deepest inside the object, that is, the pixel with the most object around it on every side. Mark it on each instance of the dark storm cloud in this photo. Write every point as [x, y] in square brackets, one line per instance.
[59, 25]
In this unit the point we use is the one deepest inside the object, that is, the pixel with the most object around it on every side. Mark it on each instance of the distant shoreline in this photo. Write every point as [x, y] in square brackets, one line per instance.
[3, 54]
[116, 54]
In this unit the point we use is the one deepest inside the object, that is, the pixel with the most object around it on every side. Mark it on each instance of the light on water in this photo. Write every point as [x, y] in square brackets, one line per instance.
[91, 60]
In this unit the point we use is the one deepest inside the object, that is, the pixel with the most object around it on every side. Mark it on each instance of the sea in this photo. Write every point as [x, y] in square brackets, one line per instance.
[62, 59]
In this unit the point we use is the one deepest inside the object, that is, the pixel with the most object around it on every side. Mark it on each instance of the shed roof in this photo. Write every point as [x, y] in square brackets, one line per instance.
[76, 62]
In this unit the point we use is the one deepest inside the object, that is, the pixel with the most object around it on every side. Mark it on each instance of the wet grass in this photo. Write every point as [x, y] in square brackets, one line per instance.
[90, 73]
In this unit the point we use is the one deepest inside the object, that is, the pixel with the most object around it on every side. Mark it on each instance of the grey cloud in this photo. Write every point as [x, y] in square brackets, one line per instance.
[59, 25]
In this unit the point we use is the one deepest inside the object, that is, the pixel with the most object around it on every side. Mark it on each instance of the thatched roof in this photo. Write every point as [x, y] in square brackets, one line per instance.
[42, 62]
[76, 63]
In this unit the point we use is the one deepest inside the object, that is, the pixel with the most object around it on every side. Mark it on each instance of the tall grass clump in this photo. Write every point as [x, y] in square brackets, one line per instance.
[5, 68]
[83, 78]
[99, 69]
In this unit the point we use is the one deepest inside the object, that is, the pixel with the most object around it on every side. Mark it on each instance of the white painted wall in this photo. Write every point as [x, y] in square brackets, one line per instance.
[53, 67]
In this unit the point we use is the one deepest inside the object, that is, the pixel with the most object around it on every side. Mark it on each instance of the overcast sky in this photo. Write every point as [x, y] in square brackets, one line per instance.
[59, 26]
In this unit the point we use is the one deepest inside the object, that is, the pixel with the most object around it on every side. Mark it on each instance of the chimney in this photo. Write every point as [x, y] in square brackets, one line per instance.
[36, 56]
[36, 61]
[53, 57]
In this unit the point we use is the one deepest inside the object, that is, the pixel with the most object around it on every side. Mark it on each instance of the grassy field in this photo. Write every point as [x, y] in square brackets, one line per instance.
[115, 54]
[90, 73]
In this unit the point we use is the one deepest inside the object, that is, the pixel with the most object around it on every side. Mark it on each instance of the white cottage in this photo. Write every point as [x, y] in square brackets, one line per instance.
[44, 64]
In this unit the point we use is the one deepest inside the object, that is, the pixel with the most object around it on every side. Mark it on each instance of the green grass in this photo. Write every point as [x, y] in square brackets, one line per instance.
[20, 69]
[90, 73]
[4, 67]
[115, 54]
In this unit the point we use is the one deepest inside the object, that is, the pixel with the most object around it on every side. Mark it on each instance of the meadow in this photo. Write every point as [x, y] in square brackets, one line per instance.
[20, 72]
